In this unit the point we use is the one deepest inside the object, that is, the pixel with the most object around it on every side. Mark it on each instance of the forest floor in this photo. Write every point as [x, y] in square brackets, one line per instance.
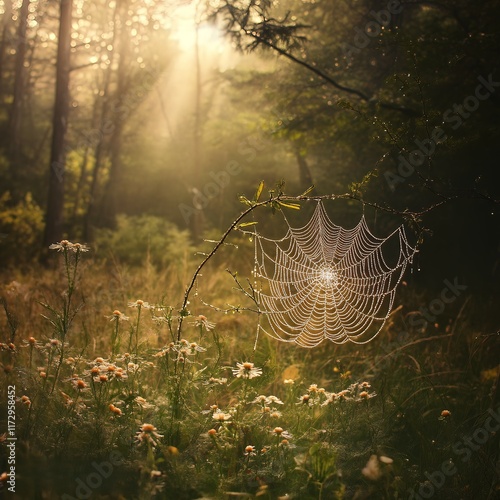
[109, 402]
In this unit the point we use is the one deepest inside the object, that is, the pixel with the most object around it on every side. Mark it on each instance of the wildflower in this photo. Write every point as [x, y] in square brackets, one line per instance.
[155, 473]
[220, 416]
[212, 432]
[120, 376]
[140, 304]
[274, 399]
[26, 401]
[304, 399]
[80, 384]
[250, 451]
[276, 414]
[132, 367]
[196, 348]
[148, 433]
[366, 395]
[115, 410]
[99, 361]
[143, 403]
[53, 343]
[62, 246]
[203, 322]
[289, 381]
[343, 395]
[102, 378]
[260, 399]
[445, 414]
[43, 375]
[172, 451]
[247, 370]
[32, 341]
[79, 247]
[118, 316]
[3, 477]
[372, 469]
[65, 246]
[278, 431]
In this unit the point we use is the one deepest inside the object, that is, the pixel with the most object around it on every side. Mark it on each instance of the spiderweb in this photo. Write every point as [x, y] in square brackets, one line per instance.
[322, 281]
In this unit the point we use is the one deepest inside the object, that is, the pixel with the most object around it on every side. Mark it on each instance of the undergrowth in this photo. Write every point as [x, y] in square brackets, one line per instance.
[110, 403]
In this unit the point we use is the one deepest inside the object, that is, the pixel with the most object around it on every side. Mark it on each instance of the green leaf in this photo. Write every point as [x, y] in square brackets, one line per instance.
[246, 224]
[245, 200]
[259, 191]
[307, 191]
[295, 206]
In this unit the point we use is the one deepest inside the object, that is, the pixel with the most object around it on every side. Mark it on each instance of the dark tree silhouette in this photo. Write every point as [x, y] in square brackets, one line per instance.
[55, 203]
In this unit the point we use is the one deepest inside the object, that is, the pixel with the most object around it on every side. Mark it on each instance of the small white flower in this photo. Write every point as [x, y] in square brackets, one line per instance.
[67, 246]
[220, 416]
[203, 322]
[140, 304]
[117, 316]
[247, 370]
[148, 433]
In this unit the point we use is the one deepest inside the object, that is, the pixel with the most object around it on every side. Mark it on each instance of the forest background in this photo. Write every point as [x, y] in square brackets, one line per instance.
[166, 122]
[136, 127]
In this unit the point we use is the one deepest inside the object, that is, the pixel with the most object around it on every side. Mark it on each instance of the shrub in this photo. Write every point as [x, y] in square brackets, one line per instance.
[145, 238]
[21, 227]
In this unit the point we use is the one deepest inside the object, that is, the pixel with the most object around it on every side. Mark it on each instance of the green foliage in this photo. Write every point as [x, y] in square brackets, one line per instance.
[145, 239]
[21, 227]
[186, 420]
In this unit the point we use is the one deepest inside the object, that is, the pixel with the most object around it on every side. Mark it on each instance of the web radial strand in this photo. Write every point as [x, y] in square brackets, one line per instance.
[322, 281]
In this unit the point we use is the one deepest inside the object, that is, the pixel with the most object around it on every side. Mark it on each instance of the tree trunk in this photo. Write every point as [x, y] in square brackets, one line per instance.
[17, 97]
[197, 220]
[6, 21]
[99, 150]
[305, 177]
[55, 205]
[121, 113]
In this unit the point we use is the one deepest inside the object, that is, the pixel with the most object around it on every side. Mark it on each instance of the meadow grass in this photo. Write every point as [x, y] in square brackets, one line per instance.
[111, 403]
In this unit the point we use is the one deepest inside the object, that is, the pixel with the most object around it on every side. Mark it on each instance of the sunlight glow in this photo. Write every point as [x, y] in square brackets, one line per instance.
[188, 30]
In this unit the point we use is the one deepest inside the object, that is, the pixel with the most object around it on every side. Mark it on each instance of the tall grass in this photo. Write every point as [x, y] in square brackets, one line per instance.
[110, 404]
